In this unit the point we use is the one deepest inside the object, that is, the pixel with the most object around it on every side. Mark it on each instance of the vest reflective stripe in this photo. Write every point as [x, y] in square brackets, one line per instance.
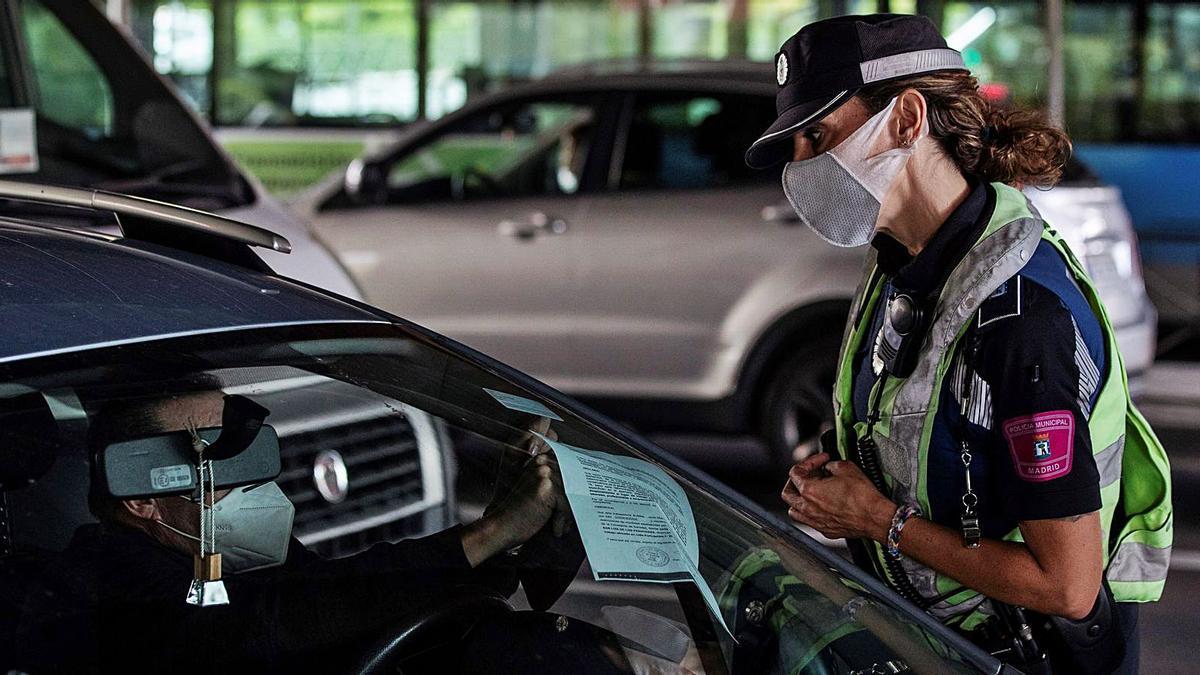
[1134, 558]
[909, 407]
[1108, 462]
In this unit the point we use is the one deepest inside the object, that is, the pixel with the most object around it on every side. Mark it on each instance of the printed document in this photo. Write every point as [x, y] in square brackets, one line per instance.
[522, 404]
[634, 519]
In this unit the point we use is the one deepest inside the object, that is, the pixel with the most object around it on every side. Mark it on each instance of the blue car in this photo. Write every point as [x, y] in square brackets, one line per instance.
[206, 466]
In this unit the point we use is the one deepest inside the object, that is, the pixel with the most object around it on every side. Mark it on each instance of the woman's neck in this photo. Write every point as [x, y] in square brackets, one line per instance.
[923, 197]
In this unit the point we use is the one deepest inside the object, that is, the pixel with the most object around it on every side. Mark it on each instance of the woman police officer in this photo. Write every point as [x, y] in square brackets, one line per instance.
[998, 475]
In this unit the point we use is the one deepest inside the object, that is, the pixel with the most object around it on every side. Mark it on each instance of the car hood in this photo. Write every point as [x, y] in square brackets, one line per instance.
[61, 291]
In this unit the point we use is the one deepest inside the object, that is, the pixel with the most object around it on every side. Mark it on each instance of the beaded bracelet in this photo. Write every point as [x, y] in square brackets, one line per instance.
[903, 513]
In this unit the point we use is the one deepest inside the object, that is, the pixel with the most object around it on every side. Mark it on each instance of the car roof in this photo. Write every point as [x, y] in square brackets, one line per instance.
[729, 69]
[747, 77]
[607, 76]
[63, 290]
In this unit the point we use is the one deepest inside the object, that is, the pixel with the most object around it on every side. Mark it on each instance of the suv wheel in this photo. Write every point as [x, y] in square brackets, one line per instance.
[797, 404]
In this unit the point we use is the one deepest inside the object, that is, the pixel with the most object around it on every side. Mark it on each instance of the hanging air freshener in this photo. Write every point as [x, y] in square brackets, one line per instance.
[206, 589]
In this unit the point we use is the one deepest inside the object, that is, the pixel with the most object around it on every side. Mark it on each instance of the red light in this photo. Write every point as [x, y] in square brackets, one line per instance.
[995, 92]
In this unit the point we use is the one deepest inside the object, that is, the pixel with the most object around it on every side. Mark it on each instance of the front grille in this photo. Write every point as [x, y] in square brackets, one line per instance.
[383, 469]
[348, 544]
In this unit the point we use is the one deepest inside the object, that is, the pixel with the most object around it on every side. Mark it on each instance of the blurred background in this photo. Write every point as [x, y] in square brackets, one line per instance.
[548, 180]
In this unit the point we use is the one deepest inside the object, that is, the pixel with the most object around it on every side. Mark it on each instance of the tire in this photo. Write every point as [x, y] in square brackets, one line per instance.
[797, 403]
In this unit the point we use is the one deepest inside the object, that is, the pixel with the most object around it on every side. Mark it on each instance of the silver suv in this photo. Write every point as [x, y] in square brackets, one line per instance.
[599, 229]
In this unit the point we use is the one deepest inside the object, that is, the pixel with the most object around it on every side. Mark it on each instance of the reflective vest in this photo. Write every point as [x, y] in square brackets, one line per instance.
[1135, 486]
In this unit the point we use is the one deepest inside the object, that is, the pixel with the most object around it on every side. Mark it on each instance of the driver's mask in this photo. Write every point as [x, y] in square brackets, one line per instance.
[838, 193]
[253, 527]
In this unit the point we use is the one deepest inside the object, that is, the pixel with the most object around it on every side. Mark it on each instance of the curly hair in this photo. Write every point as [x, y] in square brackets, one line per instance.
[1016, 146]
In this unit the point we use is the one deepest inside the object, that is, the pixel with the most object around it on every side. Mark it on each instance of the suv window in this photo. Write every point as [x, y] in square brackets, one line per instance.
[519, 149]
[693, 141]
[70, 88]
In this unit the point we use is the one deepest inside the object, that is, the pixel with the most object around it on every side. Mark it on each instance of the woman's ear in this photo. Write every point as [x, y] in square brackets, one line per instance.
[909, 117]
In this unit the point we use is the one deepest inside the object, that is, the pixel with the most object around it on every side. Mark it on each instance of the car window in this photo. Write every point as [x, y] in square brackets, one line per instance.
[692, 141]
[527, 148]
[69, 87]
[382, 434]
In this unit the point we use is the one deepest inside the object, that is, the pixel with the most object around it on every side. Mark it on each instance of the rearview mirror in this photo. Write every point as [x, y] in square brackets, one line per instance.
[165, 464]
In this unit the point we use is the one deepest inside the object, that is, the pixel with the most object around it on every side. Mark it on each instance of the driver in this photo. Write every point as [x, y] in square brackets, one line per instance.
[126, 577]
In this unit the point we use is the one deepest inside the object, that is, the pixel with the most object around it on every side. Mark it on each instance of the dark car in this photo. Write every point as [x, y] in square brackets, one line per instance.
[99, 326]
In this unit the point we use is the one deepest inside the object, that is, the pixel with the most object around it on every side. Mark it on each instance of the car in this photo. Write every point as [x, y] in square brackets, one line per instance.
[179, 305]
[599, 229]
[105, 119]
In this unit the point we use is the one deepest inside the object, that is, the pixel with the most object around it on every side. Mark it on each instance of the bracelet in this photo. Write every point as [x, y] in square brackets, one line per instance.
[903, 513]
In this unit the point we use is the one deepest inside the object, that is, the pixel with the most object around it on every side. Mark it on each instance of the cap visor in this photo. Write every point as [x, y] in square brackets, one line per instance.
[775, 144]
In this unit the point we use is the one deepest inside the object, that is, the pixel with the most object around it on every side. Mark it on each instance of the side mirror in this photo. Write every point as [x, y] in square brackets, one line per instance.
[365, 182]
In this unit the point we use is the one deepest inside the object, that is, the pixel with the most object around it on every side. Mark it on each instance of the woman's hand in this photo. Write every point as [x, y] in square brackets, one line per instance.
[836, 499]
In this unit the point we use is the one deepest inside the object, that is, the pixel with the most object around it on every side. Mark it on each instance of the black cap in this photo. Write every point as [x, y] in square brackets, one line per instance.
[826, 62]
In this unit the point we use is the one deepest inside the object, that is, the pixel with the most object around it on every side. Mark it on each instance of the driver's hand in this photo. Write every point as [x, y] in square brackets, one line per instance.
[537, 498]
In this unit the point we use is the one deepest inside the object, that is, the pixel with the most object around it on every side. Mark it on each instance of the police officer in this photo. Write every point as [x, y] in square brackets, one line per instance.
[986, 461]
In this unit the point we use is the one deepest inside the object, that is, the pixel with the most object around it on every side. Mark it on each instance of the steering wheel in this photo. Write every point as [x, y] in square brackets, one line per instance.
[430, 624]
[490, 186]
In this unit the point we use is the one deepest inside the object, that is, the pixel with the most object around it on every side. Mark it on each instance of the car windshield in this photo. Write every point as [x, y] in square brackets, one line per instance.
[106, 121]
[374, 433]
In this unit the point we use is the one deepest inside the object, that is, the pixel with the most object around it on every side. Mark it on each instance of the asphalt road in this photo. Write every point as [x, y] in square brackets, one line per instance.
[1170, 400]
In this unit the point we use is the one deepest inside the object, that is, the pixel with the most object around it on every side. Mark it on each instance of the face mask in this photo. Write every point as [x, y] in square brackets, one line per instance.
[253, 525]
[838, 193]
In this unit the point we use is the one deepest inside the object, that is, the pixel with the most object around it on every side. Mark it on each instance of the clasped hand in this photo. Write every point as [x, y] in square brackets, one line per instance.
[836, 499]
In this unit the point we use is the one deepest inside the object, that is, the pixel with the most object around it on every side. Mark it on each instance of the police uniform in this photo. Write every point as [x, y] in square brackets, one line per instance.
[1003, 399]
[1039, 352]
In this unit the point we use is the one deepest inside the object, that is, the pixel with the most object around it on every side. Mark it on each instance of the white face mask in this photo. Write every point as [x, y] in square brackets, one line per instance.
[838, 193]
[253, 526]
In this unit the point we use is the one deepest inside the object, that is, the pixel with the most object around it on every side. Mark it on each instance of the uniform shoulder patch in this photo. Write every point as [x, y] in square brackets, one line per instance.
[1041, 445]
[1003, 303]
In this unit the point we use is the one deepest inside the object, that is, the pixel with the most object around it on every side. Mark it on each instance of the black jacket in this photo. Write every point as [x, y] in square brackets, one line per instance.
[114, 601]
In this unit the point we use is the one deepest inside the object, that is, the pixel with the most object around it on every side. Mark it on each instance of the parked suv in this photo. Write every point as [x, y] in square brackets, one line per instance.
[105, 119]
[599, 229]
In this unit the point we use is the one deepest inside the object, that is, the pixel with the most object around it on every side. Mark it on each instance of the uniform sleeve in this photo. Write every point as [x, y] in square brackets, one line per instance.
[1042, 381]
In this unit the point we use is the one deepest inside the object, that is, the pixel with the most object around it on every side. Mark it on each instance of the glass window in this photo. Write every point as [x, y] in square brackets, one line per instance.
[1106, 98]
[179, 37]
[693, 141]
[380, 436]
[1170, 106]
[691, 30]
[69, 86]
[479, 46]
[528, 148]
[318, 62]
[770, 22]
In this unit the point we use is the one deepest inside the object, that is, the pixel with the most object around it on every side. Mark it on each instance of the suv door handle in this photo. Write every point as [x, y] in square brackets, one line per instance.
[538, 224]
